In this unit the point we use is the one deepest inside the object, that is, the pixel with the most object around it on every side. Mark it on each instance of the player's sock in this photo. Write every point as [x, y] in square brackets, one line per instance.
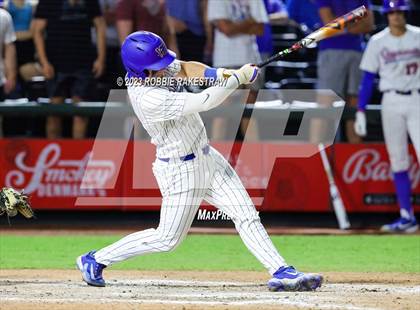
[403, 188]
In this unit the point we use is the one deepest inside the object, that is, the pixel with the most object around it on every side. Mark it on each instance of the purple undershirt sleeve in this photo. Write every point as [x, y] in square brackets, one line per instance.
[366, 89]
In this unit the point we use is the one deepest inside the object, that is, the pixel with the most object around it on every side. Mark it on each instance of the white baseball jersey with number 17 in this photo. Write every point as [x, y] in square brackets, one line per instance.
[397, 61]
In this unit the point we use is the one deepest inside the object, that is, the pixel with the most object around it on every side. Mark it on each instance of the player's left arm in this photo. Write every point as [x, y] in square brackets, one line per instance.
[370, 66]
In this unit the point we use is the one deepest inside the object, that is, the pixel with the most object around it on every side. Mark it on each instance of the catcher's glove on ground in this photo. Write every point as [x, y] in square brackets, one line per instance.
[12, 202]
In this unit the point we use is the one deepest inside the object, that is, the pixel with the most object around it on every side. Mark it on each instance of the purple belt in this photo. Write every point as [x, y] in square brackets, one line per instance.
[191, 156]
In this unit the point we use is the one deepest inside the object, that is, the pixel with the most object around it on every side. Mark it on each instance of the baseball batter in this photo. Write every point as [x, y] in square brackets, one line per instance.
[394, 54]
[186, 168]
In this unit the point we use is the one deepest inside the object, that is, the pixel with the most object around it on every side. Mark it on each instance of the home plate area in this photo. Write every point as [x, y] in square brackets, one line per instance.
[160, 293]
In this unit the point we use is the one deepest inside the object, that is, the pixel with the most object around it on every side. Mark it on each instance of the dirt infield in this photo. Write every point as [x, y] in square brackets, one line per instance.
[63, 289]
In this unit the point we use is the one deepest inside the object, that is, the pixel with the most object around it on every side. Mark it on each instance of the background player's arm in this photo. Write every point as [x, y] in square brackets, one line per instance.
[247, 26]
[208, 49]
[219, 13]
[99, 64]
[365, 93]
[169, 35]
[366, 90]
[10, 67]
[370, 66]
[39, 26]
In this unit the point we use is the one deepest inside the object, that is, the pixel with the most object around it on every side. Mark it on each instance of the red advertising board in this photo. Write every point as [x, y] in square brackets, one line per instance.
[115, 174]
[364, 176]
[51, 171]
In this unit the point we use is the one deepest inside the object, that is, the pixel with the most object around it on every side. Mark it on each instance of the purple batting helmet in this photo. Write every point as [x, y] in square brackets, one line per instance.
[395, 5]
[143, 50]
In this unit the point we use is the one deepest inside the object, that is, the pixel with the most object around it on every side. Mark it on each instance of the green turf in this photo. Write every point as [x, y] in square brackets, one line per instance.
[219, 252]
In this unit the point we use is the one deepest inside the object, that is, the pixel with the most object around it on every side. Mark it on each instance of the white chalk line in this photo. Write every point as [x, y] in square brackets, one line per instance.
[148, 282]
[186, 283]
[272, 301]
[367, 287]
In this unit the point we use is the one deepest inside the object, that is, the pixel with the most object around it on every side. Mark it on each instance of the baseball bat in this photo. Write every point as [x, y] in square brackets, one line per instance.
[337, 202]
[334, 27]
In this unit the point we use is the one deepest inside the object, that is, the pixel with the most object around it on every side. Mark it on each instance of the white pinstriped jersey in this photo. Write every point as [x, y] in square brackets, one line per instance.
[160, 112]
[185, 185]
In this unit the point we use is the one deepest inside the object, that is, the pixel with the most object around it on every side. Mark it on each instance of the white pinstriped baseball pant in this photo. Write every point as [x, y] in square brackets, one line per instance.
[184, 185]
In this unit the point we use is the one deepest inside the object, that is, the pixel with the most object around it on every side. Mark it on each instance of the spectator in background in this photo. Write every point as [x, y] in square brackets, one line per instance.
[304, 13]
[69, 60]
[21, 12]
[339, 57]
[109, 8]
[113, 66]
[277, 14]
[194, 34]
[148, 15]
[8, 61]
[237, 23]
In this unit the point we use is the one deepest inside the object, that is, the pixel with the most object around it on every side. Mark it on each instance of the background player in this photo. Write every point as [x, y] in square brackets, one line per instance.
[394, 53]
[187, 169]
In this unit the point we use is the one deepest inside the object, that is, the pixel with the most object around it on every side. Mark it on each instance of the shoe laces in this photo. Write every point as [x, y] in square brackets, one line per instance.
[285, 269]
[98, 267]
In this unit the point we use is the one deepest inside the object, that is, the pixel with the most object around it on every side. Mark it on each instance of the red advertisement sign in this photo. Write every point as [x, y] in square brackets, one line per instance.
[52, 171]
[76, 175]
[364, 177]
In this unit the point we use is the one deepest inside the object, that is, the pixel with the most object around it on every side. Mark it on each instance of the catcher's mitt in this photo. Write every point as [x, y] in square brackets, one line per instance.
[12, 202]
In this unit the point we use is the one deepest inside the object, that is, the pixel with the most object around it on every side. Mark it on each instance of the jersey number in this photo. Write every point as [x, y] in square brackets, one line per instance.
[412, 68]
